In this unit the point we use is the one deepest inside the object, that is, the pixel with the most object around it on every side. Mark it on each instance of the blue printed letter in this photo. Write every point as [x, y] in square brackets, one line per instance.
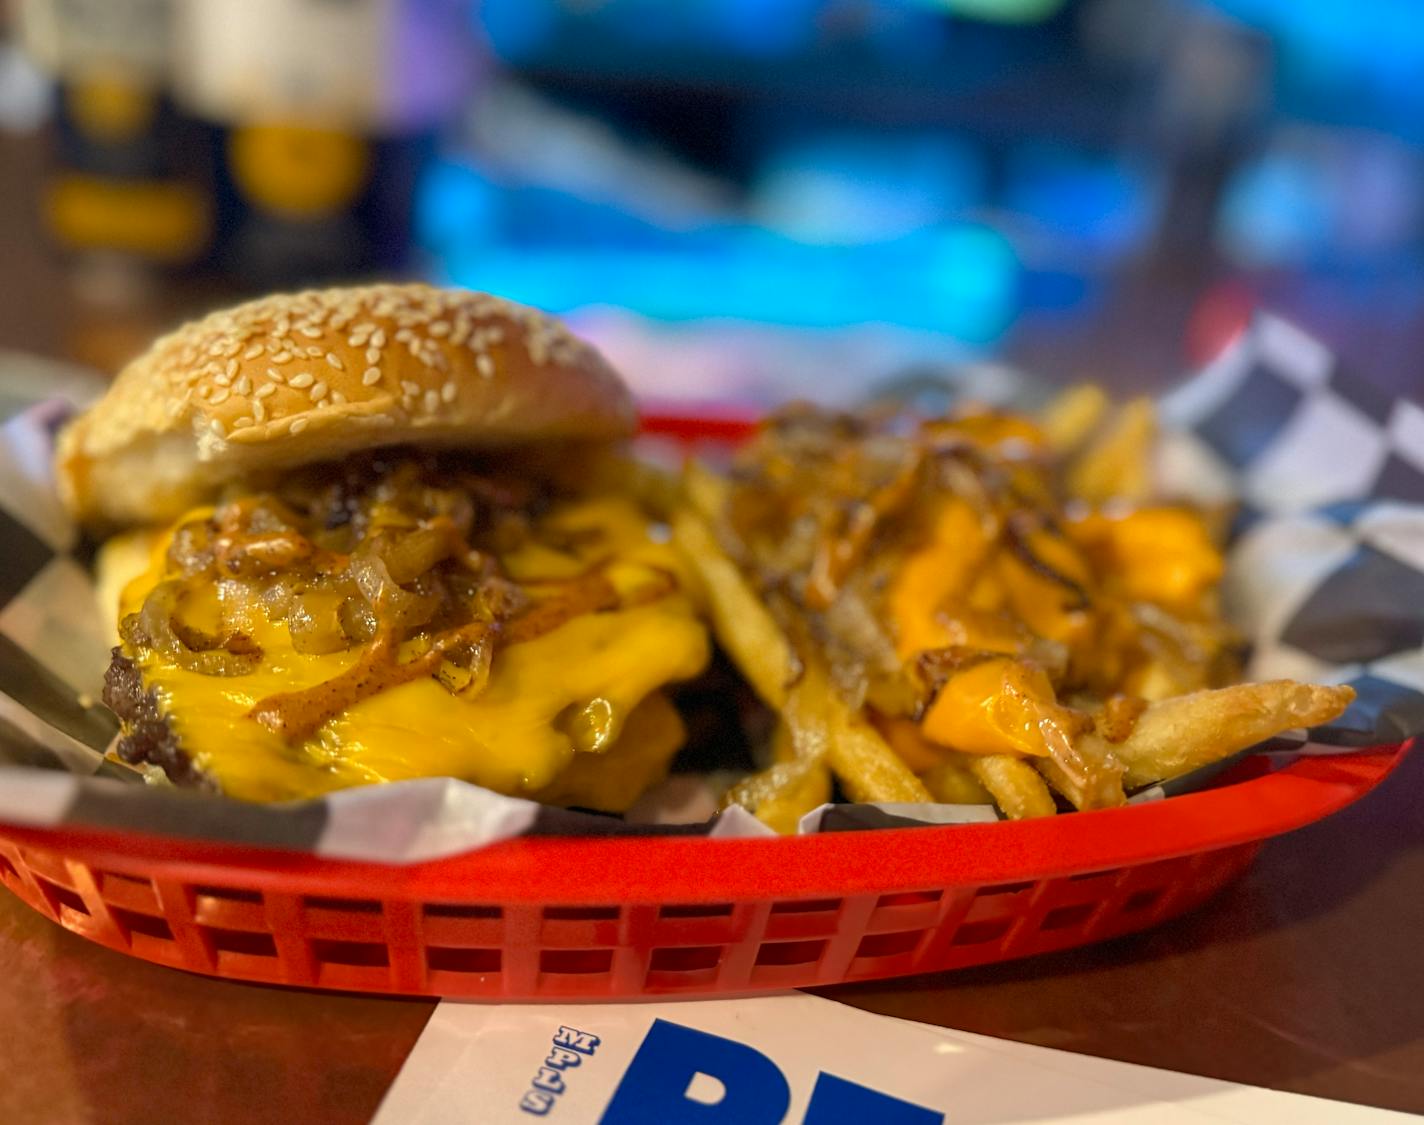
[580, 1041]
[549, 1079]
[835, 1101]
[654, 1088]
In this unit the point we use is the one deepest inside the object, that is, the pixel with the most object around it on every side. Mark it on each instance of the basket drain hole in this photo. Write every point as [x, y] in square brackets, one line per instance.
[790, 952]
[976, 933]
[461, 910]
[888, 945]
[450, 960]
[807, 906]
[575, 960]
[342, 905]
[697, 910]
[249, 943]
[1060, 918]
[685, 959]
[146, 924]
[362, 954]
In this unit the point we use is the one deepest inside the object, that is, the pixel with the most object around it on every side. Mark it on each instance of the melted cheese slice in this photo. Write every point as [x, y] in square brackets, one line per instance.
[506, 739]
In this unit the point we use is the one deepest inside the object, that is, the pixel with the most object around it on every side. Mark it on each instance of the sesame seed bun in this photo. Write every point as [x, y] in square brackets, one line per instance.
[295, 378]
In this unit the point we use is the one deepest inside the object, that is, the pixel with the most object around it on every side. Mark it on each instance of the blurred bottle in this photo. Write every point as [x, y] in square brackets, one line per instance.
[321, 114]
[124, 190]
[124, 193]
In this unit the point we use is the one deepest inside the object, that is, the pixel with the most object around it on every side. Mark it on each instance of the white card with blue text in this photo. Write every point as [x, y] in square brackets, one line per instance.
[791, 1058]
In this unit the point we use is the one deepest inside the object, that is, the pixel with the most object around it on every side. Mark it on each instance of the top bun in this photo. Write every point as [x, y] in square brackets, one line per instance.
[295, 378]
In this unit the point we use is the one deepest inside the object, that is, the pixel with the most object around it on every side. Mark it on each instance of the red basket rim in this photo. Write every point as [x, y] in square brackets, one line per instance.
[697, 869]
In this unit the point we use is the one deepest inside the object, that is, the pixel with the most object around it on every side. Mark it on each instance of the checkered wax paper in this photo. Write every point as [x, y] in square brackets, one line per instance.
[1325, 576]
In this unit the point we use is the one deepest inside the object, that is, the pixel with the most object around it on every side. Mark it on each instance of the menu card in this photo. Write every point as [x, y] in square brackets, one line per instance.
[791, 1057]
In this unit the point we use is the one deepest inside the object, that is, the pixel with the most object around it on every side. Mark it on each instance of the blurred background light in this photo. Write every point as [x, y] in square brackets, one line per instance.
[1072, 184]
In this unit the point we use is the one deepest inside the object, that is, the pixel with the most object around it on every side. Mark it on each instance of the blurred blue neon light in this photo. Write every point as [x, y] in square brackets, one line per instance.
[962, 280]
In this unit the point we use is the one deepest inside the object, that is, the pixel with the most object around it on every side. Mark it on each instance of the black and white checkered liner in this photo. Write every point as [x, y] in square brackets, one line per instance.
[1326, 573]
[1326, 576]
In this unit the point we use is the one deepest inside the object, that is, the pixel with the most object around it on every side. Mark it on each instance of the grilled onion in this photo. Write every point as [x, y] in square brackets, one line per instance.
[159, 625]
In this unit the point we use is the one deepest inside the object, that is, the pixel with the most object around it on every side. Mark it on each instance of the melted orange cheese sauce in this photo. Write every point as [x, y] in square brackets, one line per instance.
[507, 739]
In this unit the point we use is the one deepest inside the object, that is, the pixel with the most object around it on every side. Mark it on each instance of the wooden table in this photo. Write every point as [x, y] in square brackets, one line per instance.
[1307, 976]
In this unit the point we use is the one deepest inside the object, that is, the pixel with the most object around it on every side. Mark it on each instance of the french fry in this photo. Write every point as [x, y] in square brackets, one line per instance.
[951, 782]
[783, 809]
[1175, 736]
[1016, 787]
[1100, 787]
[868, 769]
[798, 779]
[1072, 416]
[1117, 465]
[705, 490]
[743, 625]
[780, 795]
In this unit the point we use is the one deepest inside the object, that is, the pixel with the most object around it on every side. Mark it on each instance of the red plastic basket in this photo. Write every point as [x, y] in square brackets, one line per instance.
[544, 918]
[547, 918]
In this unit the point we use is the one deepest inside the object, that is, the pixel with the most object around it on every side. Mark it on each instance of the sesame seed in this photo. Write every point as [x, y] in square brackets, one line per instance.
[311, 332]
[219, 396]
[318, 392]
[275, 375]
[314, 352]
[448, 391]
[217, 428]
[230, 368]
[222, 379]
[243, 386]
[404, 335]
[298, 425]
[301, 379]
[378, 338]
[432, 401]
[411, 389]
[371, 376]
[253, 352]
[259, 410]
[242, 423]
[338, 399]
[373, 355]
[282, 357]
[266, 389]
[485, 366]
[440, 328]
[334, 360]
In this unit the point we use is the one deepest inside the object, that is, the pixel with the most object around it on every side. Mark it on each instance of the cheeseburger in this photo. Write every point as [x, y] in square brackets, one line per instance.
[377, 533]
